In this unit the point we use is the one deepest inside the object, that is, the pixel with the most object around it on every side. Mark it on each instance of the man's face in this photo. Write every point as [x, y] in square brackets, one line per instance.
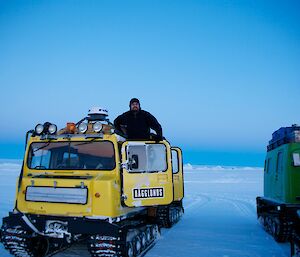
[135, 106]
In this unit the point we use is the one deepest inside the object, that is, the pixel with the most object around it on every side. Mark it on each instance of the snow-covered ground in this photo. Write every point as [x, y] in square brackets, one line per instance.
[219, 220]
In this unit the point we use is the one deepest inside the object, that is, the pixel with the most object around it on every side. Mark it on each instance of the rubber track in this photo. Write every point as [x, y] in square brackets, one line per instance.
[20, 243]
[168, 216]
[285, 231]
[107, 246]
[295, 245]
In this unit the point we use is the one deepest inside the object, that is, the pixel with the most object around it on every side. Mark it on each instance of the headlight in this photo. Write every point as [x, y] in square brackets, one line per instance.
[97, 127]
[39, 128]
[52, 129]
[82, 127]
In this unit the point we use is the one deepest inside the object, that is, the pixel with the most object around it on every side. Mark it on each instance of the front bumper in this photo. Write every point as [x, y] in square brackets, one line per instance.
[74, 225]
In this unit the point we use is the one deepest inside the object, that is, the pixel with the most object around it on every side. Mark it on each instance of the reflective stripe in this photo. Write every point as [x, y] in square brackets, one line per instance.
[57, 195]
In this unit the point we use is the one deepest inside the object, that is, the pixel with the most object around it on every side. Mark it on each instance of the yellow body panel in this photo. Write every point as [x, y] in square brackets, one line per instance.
[156, 183]
[107, 184]
[52, 208]
[178, 177]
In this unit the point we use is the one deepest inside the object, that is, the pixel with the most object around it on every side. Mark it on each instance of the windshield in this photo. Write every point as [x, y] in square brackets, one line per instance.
[92, 155]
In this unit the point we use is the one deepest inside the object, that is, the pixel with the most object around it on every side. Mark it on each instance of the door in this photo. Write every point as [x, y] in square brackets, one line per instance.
[177, 173]
[147, 174]
[278, 183]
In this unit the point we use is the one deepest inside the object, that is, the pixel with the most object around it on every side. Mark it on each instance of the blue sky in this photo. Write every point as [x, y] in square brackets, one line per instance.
[220, 76]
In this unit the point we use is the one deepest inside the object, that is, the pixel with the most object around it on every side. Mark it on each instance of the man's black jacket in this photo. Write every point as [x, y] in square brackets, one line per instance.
[137, 124]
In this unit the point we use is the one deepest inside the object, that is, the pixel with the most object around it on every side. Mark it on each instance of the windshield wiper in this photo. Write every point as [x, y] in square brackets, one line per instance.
[40, 167]
[87, 142]
[43, 146]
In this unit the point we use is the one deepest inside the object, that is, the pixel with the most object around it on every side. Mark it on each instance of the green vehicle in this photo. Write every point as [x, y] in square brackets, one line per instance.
[278, 209]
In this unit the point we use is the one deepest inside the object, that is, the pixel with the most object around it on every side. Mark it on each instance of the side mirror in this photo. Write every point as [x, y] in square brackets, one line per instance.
[135, 161]
[131, 163]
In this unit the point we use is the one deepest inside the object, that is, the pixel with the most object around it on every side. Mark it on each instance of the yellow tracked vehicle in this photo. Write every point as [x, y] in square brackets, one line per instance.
[87, 182]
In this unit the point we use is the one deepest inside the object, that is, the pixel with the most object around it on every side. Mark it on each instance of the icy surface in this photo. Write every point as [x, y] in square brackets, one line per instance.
[219, 219]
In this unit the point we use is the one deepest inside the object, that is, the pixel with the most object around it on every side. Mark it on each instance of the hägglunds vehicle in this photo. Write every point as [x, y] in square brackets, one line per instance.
[279, 208]
[87, 182]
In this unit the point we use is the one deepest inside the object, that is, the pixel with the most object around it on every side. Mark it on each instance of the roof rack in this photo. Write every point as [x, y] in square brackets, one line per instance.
[284, 135]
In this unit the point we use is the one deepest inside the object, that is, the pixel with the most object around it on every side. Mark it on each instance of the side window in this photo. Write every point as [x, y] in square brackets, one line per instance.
[279, 166]
[156, 157]
[296, 159]
[174, 162]
[267, 165]
[147, 158]
[137, 157]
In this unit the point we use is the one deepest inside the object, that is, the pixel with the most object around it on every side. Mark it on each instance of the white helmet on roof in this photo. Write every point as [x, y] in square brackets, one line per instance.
[98, 111]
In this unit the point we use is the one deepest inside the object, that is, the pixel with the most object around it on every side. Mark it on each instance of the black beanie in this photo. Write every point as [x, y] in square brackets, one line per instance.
[134, 100]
